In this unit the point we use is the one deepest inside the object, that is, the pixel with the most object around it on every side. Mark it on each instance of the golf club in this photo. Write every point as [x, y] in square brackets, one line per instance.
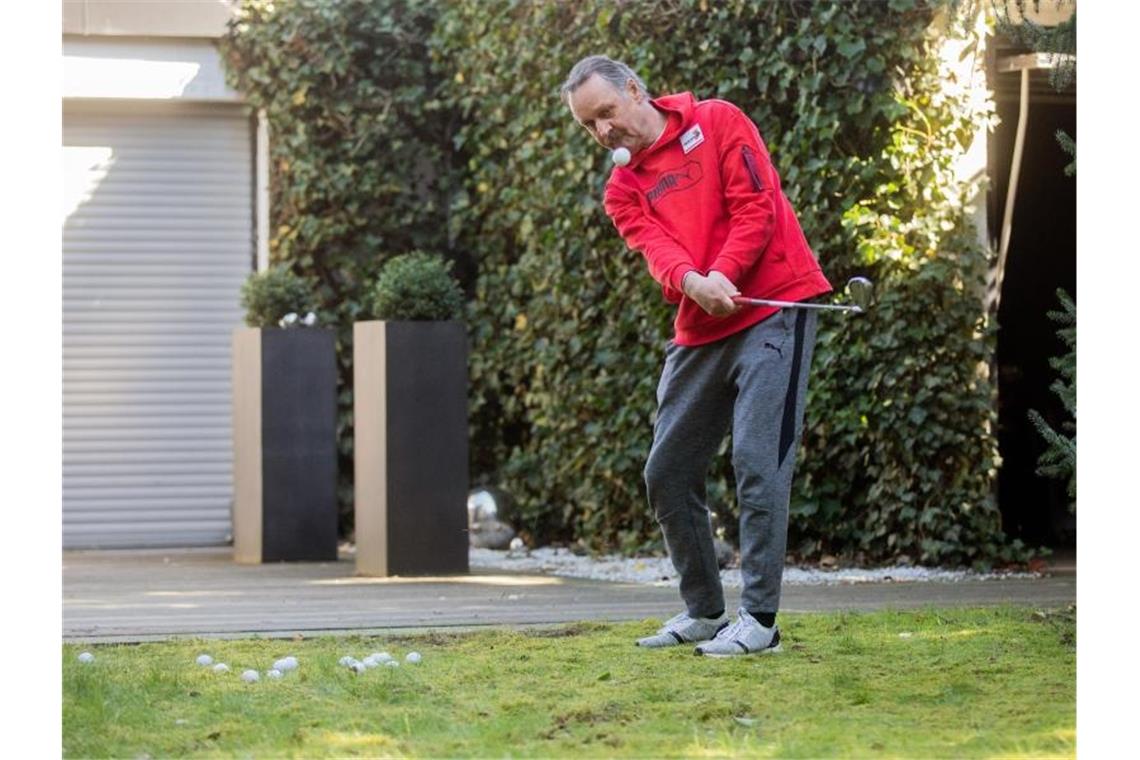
[859, 289]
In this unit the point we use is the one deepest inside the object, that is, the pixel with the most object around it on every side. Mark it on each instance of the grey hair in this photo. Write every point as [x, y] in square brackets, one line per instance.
[614, 72]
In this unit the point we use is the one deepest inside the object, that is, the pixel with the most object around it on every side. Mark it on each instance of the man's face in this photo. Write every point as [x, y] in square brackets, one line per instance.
[613, 117]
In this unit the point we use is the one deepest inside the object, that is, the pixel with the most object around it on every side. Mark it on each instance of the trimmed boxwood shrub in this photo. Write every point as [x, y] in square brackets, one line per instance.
[270, 295]
[417, 286]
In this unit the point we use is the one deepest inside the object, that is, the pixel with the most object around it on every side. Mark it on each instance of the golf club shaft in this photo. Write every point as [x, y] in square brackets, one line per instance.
[797, 304]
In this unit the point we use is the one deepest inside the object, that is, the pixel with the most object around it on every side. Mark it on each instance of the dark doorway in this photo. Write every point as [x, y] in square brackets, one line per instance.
[1042, 258]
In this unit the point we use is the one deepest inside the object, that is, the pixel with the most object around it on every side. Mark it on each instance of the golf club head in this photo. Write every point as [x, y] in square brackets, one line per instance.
[861, 291]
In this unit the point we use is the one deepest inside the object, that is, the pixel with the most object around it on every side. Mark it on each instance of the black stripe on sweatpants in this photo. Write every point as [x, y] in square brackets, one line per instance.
[788, 426]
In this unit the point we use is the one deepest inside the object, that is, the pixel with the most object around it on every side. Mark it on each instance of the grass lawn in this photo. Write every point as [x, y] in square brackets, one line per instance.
[975, 682]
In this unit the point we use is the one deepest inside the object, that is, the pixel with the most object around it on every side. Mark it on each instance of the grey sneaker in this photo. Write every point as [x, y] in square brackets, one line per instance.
[682, 629]
[745, 636]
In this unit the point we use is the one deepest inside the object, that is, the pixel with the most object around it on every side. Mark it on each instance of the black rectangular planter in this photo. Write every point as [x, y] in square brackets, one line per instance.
[285, 467]
[410, 423]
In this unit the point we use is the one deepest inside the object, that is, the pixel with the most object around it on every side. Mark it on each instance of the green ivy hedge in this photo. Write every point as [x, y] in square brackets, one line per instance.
[401, 125]
[899, 451]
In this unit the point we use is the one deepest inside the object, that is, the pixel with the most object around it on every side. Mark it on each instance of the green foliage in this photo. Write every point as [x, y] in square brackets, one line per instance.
[360, 152]
[417, 286]
[1060, 457]
[270, 295]
[900, 456]
[568, 329]
[1069, 145]
[404, 125]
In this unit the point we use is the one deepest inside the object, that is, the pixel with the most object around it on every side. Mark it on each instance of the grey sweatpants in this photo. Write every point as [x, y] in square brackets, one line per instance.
[756, 380]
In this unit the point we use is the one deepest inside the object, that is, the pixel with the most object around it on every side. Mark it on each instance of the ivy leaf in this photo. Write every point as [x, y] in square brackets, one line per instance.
[605, 15]
[851, 48]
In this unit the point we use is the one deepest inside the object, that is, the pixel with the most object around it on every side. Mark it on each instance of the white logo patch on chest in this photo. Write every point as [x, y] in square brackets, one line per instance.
[692, 138]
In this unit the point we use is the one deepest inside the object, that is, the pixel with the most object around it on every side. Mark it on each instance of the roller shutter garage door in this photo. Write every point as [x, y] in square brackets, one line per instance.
[158, 237]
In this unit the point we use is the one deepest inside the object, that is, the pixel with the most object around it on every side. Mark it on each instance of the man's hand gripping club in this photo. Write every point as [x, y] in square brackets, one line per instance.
[712, 292]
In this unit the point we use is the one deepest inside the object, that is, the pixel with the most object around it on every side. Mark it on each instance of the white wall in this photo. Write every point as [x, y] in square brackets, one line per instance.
[147, 18]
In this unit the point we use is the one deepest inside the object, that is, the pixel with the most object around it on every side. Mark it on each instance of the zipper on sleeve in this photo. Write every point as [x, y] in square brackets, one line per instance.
[750, 166]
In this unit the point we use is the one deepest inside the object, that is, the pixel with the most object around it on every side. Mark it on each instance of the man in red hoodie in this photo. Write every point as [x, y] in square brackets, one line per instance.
[701, 201]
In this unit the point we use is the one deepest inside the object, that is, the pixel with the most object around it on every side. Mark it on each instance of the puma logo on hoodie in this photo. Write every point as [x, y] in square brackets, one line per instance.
[675, 179]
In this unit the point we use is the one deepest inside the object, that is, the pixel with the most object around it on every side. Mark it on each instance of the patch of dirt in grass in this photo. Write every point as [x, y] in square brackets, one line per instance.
[607, 713]
[577, 629]
[432, 638]
[709, 712]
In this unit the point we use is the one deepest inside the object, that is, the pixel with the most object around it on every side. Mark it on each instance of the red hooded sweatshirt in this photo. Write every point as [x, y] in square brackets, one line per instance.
[706, 197]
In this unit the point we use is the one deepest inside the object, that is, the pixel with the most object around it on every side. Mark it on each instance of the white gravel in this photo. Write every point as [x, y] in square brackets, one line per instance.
[658, 571]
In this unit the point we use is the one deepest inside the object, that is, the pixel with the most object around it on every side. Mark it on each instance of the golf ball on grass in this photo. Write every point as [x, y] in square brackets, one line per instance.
[413, 657]
[285, 664]
[250, 676]
[392, 664]
[358, 667]
[86, 657]
[274, 673]
[621, 156]
[205, 659]
[221, 667]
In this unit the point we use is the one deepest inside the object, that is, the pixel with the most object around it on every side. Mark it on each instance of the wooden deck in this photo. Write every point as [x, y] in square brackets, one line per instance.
[157, 594]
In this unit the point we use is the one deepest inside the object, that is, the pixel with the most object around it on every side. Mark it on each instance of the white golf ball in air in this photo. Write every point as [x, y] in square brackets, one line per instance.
[621, 156]
[86, 657]
[413, 657]
[275, 673]
[205, 659]
[250, 676]
[221, 667]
